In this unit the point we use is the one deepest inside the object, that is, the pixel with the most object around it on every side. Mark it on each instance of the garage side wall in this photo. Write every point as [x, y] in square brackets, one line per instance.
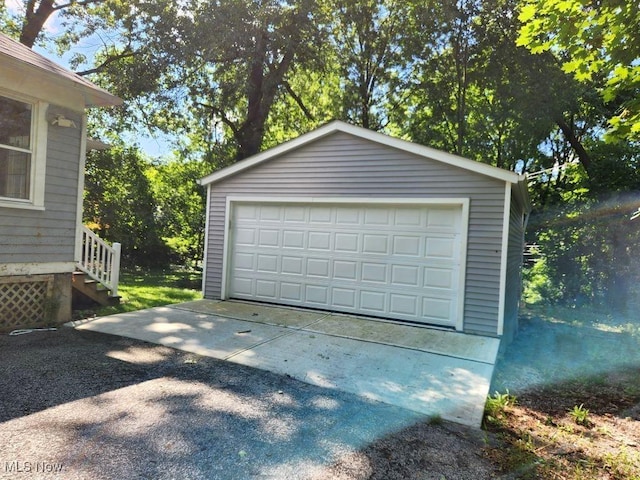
[342, 165]
[514, 270]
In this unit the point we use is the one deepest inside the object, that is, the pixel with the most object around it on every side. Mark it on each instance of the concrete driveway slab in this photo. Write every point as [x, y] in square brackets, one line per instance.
[432, 340]
[432, 372]
[216, 337]
[253, 312]
[452, 388]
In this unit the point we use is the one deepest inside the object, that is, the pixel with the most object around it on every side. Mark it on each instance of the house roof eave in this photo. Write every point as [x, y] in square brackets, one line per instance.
[15, 55]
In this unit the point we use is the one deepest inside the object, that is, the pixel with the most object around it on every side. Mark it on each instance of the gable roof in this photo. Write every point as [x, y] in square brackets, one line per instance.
[12, 52]
[519, 181]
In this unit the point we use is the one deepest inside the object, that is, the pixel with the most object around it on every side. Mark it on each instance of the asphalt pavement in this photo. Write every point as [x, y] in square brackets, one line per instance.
[86, 405]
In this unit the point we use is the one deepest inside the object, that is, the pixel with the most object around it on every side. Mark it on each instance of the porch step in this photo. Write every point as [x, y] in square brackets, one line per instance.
[85, 287]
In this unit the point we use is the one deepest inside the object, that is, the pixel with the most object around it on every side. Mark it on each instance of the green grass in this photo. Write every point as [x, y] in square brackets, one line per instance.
[146, 289]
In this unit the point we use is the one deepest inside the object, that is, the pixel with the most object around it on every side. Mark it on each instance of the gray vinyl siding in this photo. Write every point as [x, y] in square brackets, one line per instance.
[343, 165]
[31, 236]
[514, 270]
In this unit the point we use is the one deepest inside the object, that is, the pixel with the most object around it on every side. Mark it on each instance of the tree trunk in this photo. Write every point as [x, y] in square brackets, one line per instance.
[261, 92]
[34, 21]
[573, 140]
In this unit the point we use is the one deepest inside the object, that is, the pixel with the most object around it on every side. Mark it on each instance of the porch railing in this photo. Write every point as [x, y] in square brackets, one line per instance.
[100, 260]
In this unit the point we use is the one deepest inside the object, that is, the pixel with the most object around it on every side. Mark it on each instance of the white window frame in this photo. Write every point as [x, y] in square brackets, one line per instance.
[38, 151]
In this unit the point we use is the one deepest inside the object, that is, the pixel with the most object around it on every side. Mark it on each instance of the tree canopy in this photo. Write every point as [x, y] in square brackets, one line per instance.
[598, 43]
[536, 86]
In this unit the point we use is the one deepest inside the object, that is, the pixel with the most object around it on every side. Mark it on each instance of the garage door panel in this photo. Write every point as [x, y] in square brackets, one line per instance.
[405, 305]
[291, 291]
[292, 265]
[443, 218]
[443, 247]
[319, 241]
[346, 242]
[318, 267]
[345, 270]
[244, 261]
[317, 295]
[373, 260]
[344, 297]
[293, 239]
[270, 213]
[320, 214]
[437, 309]
[348, 216]
[295, 214]
[374, 272]
[268, 238]
[406, 245]
[405, 275]
[242, 286]
[246, 212]
[375, 244]
[267, 263]
[374, 303]
[439, 278]
[409, 218]
[245, 236]
[376, 217]
[267, 289]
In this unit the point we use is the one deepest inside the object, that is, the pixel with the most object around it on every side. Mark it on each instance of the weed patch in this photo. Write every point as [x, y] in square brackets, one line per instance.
[577, 415]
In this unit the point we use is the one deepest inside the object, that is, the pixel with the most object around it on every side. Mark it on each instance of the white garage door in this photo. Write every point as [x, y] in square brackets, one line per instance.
[394, 261]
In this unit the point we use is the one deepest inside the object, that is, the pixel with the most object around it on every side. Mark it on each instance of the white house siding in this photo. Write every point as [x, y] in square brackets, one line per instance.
[343, 165]
[49, 236]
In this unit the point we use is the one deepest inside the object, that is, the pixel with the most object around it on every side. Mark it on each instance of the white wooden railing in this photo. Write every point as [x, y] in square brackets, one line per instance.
[100, 260]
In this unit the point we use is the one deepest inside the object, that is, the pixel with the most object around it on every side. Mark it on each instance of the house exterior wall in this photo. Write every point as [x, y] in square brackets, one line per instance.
[514, 270]
[37, 247]
[343, 165]
[49, 235]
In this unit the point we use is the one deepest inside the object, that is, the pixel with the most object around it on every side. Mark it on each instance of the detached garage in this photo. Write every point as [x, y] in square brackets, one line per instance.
[349, 220]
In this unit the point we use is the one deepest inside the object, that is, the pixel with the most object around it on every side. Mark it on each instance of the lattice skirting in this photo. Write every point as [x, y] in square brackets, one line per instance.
[25, 301]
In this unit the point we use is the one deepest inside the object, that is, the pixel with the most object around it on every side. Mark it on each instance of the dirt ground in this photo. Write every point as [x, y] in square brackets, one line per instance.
[110, 407]
[574, 411]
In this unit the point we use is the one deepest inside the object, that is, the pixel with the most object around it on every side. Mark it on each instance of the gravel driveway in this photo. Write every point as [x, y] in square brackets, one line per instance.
[84, 405]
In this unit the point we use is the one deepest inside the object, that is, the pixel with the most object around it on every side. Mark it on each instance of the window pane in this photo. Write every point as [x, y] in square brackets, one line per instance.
[15, 175]
[15, 123]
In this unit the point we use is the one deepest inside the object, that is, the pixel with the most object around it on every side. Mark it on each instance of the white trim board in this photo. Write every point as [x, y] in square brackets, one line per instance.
[504, 257]
[205, 253]
[7, 269]
[339, 126]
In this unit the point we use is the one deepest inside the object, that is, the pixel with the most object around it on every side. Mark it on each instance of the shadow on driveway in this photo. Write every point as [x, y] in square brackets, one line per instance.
[104, 407]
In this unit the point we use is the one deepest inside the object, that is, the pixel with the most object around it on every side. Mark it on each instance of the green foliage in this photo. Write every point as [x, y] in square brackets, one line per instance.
[156, 210]
[119, 205]
[367, 36]
[180, 207]
[226, 80]
[580, 414]
[596, 42]
[470, 90]
[219, 67]
[496, 406]
[587, 255]
[539, 287]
